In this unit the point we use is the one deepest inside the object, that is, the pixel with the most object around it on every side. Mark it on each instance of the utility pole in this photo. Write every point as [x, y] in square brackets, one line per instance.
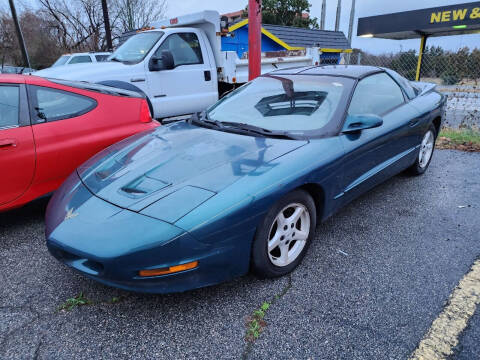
[337, 19]
[21, 41]
[350, 25]
[254, 38]
[350, 28]
[322, 17]
[106, 21]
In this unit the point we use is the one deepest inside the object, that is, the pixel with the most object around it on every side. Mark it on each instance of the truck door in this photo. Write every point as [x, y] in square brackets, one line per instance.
[191, 85]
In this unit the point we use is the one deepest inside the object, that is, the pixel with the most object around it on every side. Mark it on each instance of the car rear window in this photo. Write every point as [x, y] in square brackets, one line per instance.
[52, 104]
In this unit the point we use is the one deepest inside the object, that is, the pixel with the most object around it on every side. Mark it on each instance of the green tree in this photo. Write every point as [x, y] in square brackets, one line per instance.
[405, 64]
[287, 13]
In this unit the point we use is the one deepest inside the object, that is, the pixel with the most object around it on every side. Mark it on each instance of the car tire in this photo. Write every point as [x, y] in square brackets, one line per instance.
[290, 232]
[425, 152]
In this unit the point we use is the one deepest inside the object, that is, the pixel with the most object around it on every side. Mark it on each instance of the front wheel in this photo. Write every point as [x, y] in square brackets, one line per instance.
[425, 152]
[284, 235]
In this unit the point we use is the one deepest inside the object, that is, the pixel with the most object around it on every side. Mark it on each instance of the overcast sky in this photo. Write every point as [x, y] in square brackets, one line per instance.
[363, 8]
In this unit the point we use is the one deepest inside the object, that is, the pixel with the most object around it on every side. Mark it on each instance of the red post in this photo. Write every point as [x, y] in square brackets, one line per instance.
[254, 38]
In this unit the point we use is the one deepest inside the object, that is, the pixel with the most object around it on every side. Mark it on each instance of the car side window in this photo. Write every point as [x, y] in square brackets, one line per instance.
[51, 104]
[80, 59]
[404, 83]
[9, 105]
[185, 48]
[376, 94]
[101, 57]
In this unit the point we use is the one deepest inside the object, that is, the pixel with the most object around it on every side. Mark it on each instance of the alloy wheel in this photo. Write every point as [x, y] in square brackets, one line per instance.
[288, 234]
[426, 149]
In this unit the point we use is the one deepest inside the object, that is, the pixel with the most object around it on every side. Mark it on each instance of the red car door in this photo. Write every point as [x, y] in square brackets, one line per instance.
[70, 125]
[61, 127]
[17, 147]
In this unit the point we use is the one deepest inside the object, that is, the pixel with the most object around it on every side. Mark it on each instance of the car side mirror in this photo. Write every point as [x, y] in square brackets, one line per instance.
[356, 123]
[163, 62]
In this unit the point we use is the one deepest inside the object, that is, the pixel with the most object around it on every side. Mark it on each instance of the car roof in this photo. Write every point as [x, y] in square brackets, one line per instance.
[58, 83]
[12, 78]
[351, 71]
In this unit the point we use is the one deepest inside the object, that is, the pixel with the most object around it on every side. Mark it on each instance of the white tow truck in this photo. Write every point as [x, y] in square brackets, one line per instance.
[178, 64]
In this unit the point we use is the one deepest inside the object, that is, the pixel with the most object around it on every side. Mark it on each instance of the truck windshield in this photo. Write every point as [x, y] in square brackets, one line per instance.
[136, 48]
[61, 60]
[298, 103]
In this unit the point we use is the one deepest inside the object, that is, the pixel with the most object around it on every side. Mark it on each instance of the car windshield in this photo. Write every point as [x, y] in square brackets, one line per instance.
[61, 60]
[136, 48]
[298, 103]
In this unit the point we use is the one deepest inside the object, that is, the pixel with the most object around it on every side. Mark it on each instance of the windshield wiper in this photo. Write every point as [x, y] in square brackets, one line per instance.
[202, 118]
[260, 131]
[242, 128]
[115, 59]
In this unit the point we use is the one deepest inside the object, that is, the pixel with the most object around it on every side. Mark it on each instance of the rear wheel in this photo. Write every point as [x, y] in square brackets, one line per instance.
[425, 152]
[284, 235]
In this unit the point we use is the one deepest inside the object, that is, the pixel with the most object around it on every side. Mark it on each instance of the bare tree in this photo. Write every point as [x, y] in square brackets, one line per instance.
[135, 14]
[78, 23]
[41, 42]
[54, 27]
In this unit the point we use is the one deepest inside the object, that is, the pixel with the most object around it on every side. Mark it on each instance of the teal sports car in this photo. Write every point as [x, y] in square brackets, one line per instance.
[243, 185]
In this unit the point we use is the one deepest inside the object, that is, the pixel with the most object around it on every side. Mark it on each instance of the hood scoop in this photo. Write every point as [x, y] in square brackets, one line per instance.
[142, 187]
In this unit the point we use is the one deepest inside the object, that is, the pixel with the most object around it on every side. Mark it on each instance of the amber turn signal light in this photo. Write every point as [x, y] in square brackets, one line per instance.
[169, 270]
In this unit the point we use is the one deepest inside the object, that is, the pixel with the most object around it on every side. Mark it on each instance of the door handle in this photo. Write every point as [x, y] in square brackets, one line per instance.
[7, 143]
[413, 122]
[208, 75]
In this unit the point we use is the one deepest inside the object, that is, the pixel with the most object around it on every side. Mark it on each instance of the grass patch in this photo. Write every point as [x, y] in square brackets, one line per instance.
[71, 303]
[459, 139]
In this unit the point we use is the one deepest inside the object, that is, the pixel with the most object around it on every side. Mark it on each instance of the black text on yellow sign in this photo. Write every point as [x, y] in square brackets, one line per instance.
[454, 15]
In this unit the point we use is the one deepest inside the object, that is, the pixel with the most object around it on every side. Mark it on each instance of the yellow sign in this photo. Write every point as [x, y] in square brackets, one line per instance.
[454, 15]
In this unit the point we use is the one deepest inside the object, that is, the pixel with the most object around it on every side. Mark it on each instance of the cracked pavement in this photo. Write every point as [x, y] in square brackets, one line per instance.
[377, 275]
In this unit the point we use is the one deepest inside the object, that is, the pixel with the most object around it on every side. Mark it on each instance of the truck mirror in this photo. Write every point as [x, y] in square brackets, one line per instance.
[163, 62]
[167, 60]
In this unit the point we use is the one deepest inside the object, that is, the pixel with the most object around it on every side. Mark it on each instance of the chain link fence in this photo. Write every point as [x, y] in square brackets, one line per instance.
[457, 75]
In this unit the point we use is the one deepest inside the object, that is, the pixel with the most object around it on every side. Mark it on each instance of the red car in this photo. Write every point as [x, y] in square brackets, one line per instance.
[49, 127]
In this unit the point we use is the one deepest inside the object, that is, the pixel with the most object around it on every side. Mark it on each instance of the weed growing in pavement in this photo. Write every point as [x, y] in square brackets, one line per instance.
[255, 322]
[71, 303]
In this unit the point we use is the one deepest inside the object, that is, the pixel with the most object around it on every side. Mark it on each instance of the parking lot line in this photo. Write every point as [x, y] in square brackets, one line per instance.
[442, 337]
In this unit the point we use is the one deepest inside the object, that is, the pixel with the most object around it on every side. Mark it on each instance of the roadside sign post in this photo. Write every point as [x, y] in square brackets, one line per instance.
[254, 38]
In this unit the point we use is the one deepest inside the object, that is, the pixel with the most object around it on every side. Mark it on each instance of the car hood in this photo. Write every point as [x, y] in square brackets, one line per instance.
[93, 72]
[181, 163]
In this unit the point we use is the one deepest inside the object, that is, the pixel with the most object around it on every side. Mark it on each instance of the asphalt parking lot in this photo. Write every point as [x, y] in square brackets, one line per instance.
[372, 283]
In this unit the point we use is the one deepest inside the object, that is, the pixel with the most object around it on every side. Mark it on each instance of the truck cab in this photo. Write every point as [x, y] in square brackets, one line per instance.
[175, 67]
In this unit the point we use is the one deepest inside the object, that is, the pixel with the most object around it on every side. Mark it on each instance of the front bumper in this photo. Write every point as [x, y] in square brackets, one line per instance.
[110, 244]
